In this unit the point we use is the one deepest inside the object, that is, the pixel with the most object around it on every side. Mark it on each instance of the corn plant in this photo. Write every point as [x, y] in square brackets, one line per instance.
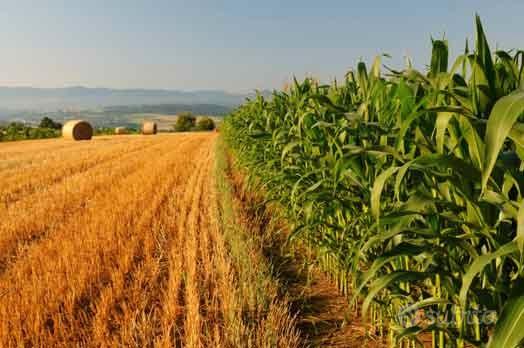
[408, 185]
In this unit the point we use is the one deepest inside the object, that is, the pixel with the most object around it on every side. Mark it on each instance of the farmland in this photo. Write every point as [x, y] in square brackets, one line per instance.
[407, 185]
[118, 241]
[385, 209]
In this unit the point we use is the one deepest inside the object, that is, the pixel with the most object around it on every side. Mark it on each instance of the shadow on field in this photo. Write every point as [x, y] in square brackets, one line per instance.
[323, 315]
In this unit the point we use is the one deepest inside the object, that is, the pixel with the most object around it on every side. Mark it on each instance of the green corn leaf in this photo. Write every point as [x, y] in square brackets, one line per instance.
[502, 119]
[478, 265]
[428, 302]
[296, 185]
[451, 109]
[517, 134]
[397, 229]
[506, 206]
[384, 281]
[520, 228]
[403, 249]
[400, 176]
[288, 148]
[484, 55]
[378, 186]
[509, 331]
[370, 274]
[441, 126]
[407, 122]
[377, 150]
[476, 146]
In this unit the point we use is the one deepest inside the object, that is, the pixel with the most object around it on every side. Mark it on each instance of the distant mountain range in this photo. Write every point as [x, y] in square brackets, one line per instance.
[77, 98]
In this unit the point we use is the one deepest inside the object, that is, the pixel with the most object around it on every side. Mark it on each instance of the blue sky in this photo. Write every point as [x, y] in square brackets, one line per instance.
[233, 45]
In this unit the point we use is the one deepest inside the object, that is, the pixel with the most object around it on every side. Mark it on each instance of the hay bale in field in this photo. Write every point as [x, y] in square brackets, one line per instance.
[149, 128]
[77, 130]
[121, 130]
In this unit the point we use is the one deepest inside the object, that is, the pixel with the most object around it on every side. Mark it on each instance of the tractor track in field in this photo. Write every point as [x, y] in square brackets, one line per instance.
[18, 233]
[113, 298]
[128, 255]
[19, 187]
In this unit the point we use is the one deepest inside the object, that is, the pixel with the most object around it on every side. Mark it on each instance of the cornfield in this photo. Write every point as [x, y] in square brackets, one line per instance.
[408, 186]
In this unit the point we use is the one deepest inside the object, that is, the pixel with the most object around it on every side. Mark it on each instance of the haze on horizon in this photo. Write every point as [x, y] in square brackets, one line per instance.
[229, 45]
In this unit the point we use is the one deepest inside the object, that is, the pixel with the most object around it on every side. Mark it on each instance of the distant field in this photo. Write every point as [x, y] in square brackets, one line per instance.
[132, 120]
[126, 116]
[164, 122]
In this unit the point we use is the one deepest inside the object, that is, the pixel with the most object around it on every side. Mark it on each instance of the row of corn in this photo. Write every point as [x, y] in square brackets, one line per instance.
[408, 185]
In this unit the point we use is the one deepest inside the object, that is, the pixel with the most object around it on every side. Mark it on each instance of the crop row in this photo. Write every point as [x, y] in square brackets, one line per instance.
[408, 184]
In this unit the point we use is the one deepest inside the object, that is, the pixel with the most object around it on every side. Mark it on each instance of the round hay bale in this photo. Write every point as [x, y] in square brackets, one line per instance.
[121, 130]
[77, 130]
[149, 128]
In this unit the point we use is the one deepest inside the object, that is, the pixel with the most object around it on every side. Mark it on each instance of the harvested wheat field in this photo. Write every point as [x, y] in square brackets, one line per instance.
[122, 242]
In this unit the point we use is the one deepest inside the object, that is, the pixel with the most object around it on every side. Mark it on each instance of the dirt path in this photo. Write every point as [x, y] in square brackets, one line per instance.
[322, 312]
[324, 318]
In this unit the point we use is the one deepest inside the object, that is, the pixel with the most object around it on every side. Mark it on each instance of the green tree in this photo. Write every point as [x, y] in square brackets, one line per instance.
[205, 124]
[184, 122]
[47, 122]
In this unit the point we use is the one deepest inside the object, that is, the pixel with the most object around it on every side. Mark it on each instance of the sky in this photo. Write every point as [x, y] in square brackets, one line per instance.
[235, 45]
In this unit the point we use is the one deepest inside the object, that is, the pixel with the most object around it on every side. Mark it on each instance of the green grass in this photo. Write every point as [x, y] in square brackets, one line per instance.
[16, 132]
[259, 316]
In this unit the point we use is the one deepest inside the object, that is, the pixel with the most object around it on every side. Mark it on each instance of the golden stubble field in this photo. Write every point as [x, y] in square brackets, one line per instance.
[114, 242]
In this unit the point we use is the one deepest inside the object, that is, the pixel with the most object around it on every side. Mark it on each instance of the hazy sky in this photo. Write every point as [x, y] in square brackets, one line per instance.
[236, 45]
